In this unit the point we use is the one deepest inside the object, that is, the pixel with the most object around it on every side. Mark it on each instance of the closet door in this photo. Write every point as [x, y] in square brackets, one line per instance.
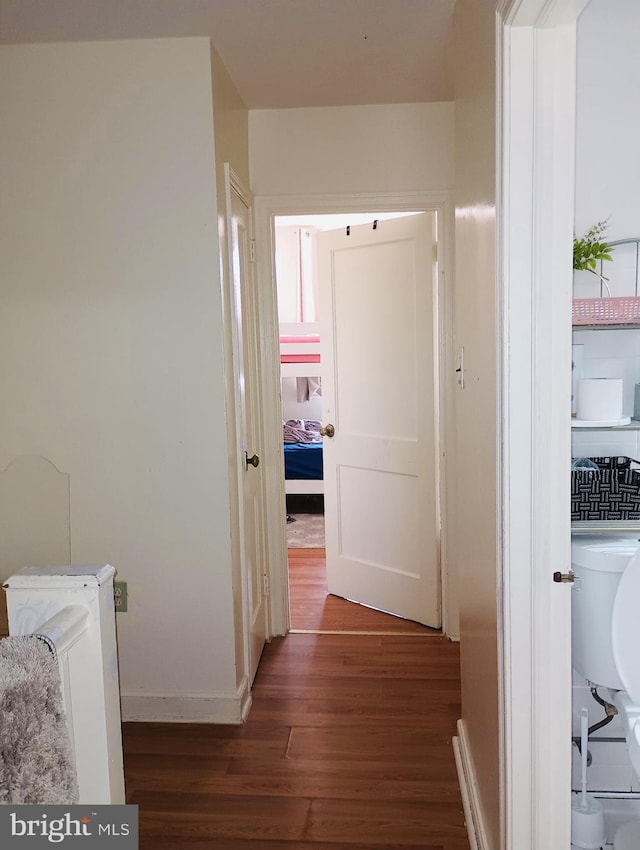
[246, 355]
[380, 471]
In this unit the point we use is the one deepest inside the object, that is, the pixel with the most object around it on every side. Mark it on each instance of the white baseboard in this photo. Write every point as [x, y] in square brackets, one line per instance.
[178, 708]
[469, 790]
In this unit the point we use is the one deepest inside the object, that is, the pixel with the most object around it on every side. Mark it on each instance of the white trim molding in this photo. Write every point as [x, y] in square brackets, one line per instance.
[188, 708]
[536, 117]
[469, 791]
[266, 208]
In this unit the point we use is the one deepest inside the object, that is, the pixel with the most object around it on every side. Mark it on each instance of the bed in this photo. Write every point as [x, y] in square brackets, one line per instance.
[300, 359]
[299, 349]
[303, 468]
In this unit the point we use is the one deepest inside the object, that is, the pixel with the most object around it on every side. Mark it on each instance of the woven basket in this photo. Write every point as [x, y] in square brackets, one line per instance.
[611, 493]
[606, 311]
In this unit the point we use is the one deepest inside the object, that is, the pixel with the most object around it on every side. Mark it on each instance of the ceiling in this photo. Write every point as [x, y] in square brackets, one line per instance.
[280, 53]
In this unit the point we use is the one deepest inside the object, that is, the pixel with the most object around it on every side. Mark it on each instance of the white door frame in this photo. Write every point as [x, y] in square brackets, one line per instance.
[266, 208]
[234, 184]
[536, 44]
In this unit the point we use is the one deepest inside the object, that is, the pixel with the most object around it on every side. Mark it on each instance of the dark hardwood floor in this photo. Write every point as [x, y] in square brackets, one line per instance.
[347, 747]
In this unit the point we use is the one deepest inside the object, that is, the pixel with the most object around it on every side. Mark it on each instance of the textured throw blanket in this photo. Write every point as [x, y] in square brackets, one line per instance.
[36, 761]
[301, 431]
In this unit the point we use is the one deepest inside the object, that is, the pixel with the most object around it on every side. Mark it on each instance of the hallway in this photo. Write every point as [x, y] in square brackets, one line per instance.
[347, 747]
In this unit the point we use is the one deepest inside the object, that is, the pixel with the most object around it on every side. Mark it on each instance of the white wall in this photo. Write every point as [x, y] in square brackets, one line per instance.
[608, 119]
[608, 135]
[475, 466]
[294, 409]
[111, 354]
[608, 186]
[355, 150]
[333, 150]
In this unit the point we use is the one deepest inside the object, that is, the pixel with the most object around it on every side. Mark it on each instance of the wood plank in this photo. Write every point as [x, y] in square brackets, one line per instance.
[347, 747]
[162, 842]
[306, 778]
[183, 816]
[409, 823]
[335, 711]
[372, 743]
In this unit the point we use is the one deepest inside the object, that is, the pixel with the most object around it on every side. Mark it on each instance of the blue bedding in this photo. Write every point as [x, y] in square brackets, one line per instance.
[303, 460]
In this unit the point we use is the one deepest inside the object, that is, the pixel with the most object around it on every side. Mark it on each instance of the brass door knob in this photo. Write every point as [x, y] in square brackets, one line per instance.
[327, 431]
[254, 460]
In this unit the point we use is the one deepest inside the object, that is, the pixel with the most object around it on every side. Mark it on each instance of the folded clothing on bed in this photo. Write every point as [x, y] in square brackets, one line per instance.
[301, 431]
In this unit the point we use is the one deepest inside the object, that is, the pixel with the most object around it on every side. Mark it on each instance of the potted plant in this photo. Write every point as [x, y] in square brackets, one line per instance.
[590, 249]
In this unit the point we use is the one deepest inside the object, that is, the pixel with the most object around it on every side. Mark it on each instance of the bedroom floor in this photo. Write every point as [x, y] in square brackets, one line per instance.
[305, 531]
[305, 521]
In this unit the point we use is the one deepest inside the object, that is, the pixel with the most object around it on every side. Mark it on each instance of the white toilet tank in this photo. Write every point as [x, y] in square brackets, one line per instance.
[598, 564]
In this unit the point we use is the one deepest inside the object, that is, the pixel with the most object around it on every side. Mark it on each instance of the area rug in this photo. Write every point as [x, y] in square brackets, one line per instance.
[36, 766]
[306, 531]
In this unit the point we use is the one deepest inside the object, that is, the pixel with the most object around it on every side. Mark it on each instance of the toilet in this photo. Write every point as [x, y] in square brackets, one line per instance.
[605, 629]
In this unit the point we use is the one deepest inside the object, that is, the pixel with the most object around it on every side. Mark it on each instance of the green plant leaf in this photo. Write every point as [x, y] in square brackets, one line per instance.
[590, 249]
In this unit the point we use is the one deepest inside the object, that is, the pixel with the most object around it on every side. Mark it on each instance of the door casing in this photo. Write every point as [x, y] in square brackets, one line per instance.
[266, 209]
[250, 564]
[536, 67]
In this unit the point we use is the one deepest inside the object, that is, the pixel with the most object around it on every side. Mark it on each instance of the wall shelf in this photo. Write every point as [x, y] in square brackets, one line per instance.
[634, 425]
[606, 527]
[629, 327]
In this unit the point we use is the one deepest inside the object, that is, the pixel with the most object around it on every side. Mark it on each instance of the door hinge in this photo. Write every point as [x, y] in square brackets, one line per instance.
[252, 250]
[460, 369]
[265, 584]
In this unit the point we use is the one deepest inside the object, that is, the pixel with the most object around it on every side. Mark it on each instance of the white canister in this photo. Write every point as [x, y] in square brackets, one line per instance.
[600, 399]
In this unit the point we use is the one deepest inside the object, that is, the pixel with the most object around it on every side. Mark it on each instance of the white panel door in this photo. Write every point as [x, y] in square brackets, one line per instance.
[378, 368]
[251, 506]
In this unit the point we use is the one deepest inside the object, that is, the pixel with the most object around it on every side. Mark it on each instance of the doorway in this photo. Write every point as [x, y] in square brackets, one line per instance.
[439, 297]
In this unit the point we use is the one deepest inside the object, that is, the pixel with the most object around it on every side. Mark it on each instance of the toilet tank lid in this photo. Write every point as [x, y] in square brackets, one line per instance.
[605, 554]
